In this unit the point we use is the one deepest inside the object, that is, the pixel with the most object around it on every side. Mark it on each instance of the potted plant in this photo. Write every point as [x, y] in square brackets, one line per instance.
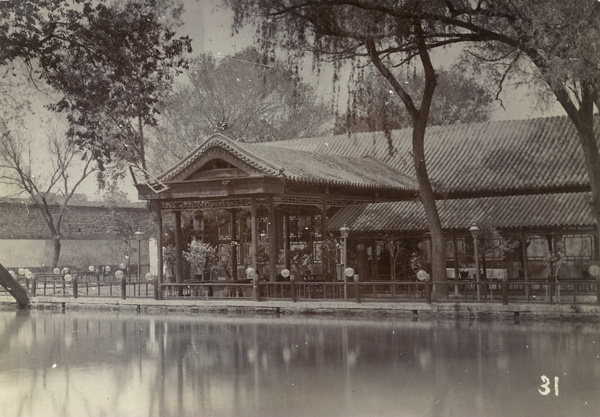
[200, 256]
[300, 262]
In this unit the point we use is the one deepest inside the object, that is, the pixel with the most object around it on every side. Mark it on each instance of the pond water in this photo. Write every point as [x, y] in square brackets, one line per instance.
[126, 364]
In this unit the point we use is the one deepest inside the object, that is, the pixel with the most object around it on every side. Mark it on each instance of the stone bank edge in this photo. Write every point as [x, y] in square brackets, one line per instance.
[457, 310]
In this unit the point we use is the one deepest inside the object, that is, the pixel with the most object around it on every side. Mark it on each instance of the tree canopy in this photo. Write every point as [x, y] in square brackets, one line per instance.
[111, 62]
[246, 96]
[458, 98]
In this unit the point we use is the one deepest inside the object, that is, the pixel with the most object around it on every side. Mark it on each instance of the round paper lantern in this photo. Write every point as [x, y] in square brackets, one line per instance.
[285, 273]
[594, 270]
[349, 272]
[119, 274]
[56, 271]
[422, 275]
[250, 272]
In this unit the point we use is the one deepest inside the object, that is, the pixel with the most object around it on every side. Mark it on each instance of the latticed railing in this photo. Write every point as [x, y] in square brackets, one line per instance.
[566, 291]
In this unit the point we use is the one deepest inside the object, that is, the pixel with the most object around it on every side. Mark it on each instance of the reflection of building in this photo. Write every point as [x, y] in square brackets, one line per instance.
[523, 182]
[91, 234]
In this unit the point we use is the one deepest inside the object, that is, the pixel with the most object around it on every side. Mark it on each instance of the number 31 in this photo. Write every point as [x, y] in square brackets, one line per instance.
[545, 387]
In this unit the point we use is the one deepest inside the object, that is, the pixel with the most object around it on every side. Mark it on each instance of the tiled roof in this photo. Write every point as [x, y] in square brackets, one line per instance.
[304, 166]
[498, 157]
[528, 211]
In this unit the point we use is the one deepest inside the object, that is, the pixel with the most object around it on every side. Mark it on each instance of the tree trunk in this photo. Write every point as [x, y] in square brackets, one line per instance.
[56, 255]
[44, 208]
[438, 240]
[420, 117]
[592, 162]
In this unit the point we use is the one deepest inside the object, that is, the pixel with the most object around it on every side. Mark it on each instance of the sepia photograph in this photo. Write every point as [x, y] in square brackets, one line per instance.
[300, 208]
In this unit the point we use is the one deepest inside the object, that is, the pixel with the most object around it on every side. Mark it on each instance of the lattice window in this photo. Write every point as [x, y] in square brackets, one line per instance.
[579, 247]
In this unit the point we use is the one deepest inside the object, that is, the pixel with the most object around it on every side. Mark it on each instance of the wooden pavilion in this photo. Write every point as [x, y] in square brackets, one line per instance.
[270, 183]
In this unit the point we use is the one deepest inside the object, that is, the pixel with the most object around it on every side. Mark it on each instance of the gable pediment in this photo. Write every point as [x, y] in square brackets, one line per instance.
[217, 169]
[216, 163]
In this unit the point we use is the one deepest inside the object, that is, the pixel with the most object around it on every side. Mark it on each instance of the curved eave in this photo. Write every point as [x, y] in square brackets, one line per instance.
[346, 184]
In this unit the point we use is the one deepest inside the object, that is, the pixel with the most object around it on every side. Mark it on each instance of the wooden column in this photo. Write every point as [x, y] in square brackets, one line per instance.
[374, 260]
[523, 242]
[324, 236]
[178, 249]
[311, 236]
[254, 232]
[324, 220]
[286, 234]
[234, 246]
[159, 257]
[456, 270]
[392, 251]
[272, 236]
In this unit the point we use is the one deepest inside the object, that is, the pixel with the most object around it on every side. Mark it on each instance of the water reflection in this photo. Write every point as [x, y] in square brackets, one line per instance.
[116, 364]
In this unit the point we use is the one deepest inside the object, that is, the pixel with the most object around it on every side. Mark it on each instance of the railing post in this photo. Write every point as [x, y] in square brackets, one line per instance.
[428, 290]
[505, 291]
[598, 290]
[293, 288]
[356, 288]
[123, 288]
[33, 286]
[255, 295]
[75, 287]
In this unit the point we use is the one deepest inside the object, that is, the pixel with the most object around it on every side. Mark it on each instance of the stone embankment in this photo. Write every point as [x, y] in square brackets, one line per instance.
[442, 310]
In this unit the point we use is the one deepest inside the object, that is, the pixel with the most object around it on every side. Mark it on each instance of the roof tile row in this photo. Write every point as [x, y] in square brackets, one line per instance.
[499, 156]
[527, 211]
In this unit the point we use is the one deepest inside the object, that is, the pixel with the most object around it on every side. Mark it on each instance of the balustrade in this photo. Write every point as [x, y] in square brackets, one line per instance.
[532, 291]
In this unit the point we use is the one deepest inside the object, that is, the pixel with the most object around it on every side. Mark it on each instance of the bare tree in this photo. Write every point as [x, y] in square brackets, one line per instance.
[50, 182]
[246, 96]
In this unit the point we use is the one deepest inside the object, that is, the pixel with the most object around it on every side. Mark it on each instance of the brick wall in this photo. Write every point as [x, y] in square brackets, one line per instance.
[36, 254]
[19, 219]
[90, 235]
